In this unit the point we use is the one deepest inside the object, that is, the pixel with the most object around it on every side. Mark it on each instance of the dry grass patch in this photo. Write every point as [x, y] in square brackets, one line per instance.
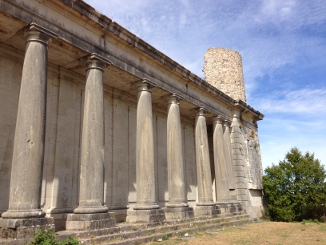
[257, 233]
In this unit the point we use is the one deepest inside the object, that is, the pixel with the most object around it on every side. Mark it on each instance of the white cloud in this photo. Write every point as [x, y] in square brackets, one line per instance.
[304, 101]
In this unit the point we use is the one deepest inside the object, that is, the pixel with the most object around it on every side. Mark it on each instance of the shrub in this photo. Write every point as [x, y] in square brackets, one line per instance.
[47, 237]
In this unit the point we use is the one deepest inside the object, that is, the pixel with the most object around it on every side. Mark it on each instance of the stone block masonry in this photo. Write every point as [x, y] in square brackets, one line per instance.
[223, 69]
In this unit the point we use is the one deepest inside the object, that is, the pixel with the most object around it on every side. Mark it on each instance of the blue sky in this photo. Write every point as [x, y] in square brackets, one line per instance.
[283, 48]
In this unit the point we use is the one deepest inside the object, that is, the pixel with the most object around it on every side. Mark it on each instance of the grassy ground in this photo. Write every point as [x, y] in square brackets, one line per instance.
[256, 233]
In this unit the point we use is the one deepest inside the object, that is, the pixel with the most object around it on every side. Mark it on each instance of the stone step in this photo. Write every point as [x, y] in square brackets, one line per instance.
[126, 233]
[125, 227]
[141, 233]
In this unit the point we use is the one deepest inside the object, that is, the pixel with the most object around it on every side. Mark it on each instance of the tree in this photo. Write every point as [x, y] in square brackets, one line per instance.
[295, 189]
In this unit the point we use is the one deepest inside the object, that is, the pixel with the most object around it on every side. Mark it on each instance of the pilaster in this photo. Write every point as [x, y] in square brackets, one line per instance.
[238, 161]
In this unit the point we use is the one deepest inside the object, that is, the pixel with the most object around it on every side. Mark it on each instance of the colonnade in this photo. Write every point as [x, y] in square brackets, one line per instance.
[28, 154]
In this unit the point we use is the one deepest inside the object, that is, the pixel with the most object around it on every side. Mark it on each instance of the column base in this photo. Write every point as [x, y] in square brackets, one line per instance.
[120, 212]
[90, 210]
[224, 207]
[24, 228]
[178, 213]
[60, 217]
[236, 207]
[90, 221]
[206, 211]
[151, 216]
[23, 214]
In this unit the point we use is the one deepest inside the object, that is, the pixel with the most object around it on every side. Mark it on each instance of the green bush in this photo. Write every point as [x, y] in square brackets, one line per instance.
[44, 237]
[69, 241]
[48, 238]
[295, 189]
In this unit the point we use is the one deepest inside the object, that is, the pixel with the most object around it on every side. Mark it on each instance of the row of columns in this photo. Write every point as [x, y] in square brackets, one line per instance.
[28, 154]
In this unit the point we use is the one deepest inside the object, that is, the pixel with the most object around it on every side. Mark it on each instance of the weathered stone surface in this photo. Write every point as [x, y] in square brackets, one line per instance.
[90, 221]
[175, 160]
[220, 161]
[204, 180]
[28, 150]
[145, 172]
[24, 228]
[178, 213]
[223, 69]
[206, 211]
[152, 216]
[92, 148]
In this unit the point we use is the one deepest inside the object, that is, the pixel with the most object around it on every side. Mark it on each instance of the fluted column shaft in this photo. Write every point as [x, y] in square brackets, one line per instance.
[204, 179]
[175, 161]
[92, 148]
[28, 152]
[221, 172]
[228, 154]
[145, 168]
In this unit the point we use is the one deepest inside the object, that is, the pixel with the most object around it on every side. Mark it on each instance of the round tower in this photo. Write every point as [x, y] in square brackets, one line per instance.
[223, 70]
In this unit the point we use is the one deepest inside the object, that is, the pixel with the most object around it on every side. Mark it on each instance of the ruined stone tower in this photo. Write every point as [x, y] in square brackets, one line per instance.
[223, 70]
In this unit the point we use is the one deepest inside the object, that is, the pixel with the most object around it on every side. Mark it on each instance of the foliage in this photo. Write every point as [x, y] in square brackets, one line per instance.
[47, 237]
[69, 241]
[44, 237]
[295, 189]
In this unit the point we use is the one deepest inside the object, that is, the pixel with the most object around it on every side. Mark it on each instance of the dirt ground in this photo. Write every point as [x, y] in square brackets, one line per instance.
[256, 233]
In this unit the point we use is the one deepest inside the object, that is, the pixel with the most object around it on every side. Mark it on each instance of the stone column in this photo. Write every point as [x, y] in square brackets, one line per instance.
[221, 172]
[28, 152]
[91, 212]
[228, 155]
[146, 208]
[205, 203]
[177, 208]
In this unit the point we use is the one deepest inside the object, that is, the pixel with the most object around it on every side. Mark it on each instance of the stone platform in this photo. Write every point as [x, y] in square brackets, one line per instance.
[126, 233]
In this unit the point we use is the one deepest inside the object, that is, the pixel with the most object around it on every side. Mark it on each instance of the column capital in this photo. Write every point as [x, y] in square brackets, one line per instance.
[218, 119]
[144, 85]
[236, 114]
[226, 123]
[172, 98]
[95, 61]
[37, 33]
[201, 111]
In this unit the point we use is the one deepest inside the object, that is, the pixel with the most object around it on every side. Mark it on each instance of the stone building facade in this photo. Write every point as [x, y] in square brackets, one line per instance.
[99, 127]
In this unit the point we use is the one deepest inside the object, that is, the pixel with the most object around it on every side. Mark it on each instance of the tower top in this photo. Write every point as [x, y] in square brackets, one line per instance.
[223, 70]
